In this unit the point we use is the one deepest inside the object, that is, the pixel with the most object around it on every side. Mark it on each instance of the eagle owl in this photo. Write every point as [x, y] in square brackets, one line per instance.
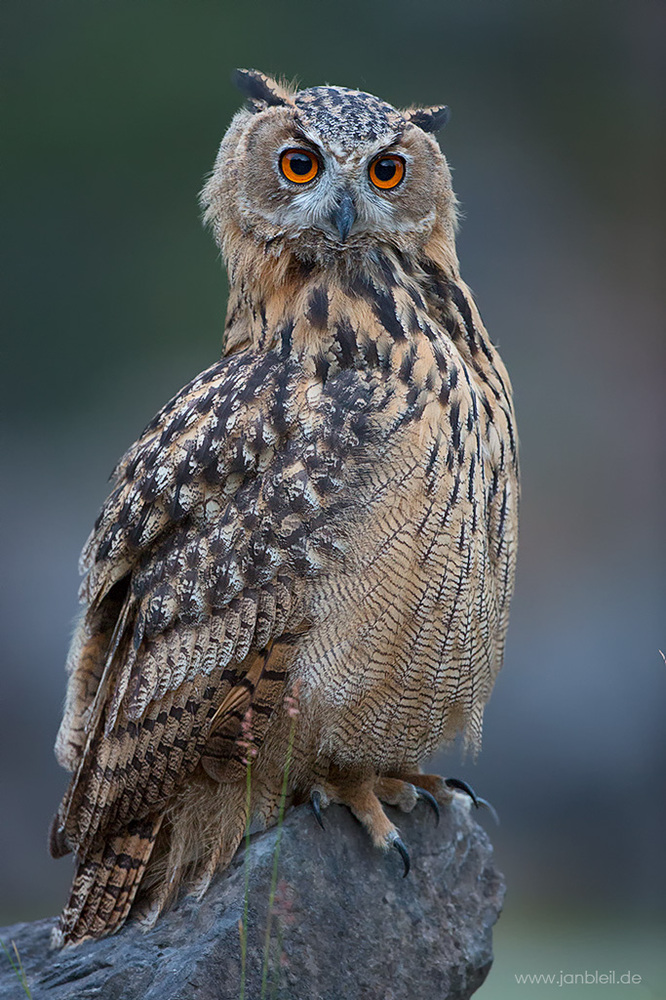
[330, 509]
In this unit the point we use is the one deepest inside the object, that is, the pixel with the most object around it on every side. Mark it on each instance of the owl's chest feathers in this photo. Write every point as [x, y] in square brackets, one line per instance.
[405, 628]
[398, 473]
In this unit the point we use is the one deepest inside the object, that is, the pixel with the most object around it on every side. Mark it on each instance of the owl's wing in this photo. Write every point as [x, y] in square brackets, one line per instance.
[192, 576]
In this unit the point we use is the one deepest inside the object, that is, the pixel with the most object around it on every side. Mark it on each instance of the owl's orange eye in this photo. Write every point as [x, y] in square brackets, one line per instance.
[299, 165]
[387, 171]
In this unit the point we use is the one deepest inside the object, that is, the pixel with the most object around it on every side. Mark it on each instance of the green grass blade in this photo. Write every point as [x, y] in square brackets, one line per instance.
[17, 967]
[276, 859]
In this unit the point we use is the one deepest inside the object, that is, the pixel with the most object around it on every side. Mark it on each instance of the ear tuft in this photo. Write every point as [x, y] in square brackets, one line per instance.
[259, 88]
[429, 119]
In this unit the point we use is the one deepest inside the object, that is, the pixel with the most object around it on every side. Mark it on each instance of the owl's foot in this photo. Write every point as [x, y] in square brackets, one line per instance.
[362, 796]
[405, 794]
[442, 790]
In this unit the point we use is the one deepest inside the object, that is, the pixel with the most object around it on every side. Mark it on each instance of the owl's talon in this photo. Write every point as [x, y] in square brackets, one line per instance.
[491, 809]
[421, 793]
[404, 854]
[315, 803]
[463, 787]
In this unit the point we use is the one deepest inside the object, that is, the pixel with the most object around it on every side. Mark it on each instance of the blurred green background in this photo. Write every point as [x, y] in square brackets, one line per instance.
[115, 298]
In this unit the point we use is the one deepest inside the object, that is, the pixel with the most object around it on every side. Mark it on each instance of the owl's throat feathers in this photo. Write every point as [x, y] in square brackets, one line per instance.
[302, 306]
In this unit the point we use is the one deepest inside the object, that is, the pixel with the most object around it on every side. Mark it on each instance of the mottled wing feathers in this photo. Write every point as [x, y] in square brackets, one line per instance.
[239, 725]
[189, 460]
[220, 510]
[185, 573]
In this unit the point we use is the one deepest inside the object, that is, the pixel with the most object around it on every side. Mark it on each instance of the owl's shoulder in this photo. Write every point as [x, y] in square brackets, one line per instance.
[254, 436]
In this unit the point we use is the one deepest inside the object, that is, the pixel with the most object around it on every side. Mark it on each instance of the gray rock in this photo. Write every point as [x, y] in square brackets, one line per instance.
[345, 923]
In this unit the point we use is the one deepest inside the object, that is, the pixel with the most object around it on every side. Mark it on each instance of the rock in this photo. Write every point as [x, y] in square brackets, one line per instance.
[345, 923]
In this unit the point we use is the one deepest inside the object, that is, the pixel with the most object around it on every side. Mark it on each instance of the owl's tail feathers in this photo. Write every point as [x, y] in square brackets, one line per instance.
[105, 884]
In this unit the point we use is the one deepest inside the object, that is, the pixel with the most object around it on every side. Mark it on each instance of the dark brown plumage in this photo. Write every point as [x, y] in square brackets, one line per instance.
[333, 505]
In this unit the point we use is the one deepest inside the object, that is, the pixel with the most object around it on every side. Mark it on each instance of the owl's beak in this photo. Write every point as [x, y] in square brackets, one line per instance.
[343, 215]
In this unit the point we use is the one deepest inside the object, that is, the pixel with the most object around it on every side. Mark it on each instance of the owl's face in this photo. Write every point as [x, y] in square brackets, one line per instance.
[329, 172]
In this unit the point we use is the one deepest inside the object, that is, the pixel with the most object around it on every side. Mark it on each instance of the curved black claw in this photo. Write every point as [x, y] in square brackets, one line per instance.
[315, 802]
[421, 793]
[404, 854]
[463, 787]
[491, 809]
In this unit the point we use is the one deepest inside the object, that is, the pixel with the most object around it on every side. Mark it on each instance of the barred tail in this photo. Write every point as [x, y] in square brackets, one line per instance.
[105, 884]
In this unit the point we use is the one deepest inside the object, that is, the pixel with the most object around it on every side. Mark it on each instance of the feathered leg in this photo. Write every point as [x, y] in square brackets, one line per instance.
[204, 826]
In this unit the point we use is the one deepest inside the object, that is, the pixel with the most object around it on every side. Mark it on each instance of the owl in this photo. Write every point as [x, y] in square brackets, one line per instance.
[302, 575]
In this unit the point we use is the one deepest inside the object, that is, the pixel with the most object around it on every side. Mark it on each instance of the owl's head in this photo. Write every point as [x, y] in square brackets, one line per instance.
[328, 174]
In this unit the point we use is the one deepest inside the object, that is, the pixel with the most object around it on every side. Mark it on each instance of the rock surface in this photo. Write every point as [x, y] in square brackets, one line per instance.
[345, 923]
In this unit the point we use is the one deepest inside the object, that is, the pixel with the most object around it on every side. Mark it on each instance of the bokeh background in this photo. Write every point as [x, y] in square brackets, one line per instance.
[116, 298]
